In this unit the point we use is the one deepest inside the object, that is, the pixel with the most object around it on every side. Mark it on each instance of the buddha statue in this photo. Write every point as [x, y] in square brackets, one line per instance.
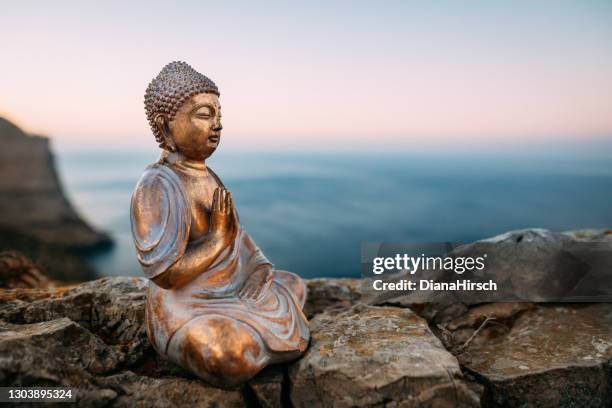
[215, 304]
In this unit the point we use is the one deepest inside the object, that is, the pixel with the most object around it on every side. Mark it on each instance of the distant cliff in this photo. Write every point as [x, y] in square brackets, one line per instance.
[35, 216]
[31, 197]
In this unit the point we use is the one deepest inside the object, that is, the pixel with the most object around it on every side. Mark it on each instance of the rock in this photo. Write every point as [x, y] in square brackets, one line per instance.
[91, 336]
[132, 390]
[56, 262]
[372, 356]
[553, 356]
[527, 354]
[31, 196]
[42, 353]
[332, 295]
[17, 271]
[531, 265]
[112, 309]
[477, 324]
[268, 387]
[539, 265]
[597, 235]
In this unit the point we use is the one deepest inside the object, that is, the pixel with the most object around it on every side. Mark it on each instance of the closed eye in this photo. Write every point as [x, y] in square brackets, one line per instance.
[204, 112]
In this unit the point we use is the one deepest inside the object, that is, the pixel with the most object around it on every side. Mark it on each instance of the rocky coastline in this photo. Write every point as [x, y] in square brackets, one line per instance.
[364, 352]
[36, 217]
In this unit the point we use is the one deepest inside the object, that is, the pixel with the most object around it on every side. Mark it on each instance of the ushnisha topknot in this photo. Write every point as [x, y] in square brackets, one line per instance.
[175, 84]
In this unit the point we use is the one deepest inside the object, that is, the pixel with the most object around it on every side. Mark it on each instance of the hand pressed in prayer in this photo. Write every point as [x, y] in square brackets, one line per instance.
[257, 283]
[222, 215]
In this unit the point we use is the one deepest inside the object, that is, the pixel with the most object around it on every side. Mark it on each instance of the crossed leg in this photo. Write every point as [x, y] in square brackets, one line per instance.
[292, 282]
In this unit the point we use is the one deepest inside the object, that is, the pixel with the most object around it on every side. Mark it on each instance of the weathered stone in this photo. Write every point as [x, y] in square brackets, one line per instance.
[553, 356]
[370, 356]
[111, 308]
[55, 261]
[332, 295]
[527, 265]
[91, 337]
[477, 324]
[81, 336]
[525, 354]
[17, 271]
[132, 390]
[597, 235]
[540, 265]
[268, 387]
[58, 351]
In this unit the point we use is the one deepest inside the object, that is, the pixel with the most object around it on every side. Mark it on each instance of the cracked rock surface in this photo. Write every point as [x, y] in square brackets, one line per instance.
[92, 337]
[364, 351]
[554, 355]
[376, 356]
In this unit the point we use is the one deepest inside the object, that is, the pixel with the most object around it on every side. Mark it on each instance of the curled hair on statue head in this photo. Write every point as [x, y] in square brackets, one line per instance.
[169, 90]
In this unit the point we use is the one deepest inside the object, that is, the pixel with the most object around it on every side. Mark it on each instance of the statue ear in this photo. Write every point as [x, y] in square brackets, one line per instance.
[166, 141]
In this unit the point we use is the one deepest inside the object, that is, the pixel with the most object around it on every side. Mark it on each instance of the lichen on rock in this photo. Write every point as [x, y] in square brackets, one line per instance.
[372, 356]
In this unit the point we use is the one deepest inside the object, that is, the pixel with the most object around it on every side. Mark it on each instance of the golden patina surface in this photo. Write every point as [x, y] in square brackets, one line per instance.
[215, 304]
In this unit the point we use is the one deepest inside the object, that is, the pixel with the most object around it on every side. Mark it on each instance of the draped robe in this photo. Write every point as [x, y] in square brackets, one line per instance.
[205, 326]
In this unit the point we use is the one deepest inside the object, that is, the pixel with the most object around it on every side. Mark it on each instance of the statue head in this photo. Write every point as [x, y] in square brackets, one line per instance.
[183, 110]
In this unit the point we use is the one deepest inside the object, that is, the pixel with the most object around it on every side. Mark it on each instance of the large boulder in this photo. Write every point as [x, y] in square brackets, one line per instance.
[552, 356]
[529, 265]
[56, 351]
[531, 354]
[111, 309]
[539, 265]
[373, 356]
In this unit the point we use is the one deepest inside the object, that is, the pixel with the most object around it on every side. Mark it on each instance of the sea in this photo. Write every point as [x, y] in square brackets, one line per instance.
[311, 212]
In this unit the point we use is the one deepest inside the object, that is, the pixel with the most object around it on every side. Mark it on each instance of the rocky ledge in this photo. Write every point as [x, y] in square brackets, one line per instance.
[364, 351]
[92, 337]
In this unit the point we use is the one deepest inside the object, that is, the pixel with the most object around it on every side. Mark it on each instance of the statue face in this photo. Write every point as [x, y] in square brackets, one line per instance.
[196, 127]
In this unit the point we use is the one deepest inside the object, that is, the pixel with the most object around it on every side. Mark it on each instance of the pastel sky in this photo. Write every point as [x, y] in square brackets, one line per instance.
[317, 74]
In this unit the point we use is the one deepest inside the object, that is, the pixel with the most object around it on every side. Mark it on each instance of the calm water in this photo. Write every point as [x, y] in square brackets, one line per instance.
[310, 213]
